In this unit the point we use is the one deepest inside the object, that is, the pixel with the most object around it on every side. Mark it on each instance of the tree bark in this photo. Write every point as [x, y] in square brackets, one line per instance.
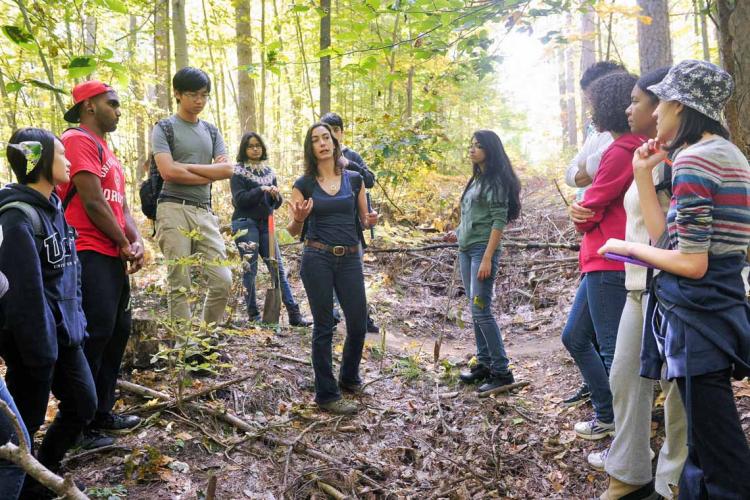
[137, 89]
[410, 95]
[325, 61]
[179, 31]
[162, 62]
[734, 32]
[561, 91]
[570, 93]
[588, 58]
[245, 84]
[262, 104]
[654, 42]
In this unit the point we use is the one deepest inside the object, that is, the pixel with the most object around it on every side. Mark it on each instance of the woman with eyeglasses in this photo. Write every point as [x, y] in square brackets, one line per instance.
[255, 196]
[491, 199]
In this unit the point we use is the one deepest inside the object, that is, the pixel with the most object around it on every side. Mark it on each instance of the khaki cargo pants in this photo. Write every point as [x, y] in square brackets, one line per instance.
[183, 231]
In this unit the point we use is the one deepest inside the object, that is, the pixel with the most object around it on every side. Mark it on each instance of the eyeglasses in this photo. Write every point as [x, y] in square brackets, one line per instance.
[254, 146]
[195, 96]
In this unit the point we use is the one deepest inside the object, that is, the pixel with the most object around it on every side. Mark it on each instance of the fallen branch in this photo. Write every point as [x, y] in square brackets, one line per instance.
[21, 456]
[505, 388]
[195, 395]
[246, 427]
[287, 358]
[506, 244]
[288, 460]
[95, 451]
[331, 491]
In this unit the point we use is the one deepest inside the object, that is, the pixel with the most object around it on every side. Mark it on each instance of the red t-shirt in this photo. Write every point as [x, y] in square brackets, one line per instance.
[84, 157]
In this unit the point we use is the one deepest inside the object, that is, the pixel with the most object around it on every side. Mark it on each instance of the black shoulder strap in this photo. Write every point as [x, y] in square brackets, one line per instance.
[166, 126]
[213, 131]
[32, 215]
[72, 191]
[307, 186]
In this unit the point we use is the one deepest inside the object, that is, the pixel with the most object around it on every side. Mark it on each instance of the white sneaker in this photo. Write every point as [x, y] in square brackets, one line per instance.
[594, 430]
[597, 459]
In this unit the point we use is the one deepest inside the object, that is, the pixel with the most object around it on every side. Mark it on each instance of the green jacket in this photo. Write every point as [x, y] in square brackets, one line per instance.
[480, 214]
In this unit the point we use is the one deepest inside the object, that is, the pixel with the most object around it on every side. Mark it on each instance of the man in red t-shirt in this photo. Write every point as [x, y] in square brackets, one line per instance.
[109, 245]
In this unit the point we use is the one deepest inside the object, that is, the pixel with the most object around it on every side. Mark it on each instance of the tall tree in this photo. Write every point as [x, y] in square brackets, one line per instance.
[162, 61]
[570, 96]
[325, 59]
[246, 85]
[588, 56]
[179, 32]
[734, 32]
[654, 40]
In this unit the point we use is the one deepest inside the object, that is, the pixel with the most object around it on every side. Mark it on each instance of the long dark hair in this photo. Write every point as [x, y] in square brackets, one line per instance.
[498, 172]
[693, 124]
[311, 163]
[18, 162]
[242, 152]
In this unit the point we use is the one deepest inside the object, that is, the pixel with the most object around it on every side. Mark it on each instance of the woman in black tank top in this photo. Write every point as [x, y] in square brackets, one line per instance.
[327, 204]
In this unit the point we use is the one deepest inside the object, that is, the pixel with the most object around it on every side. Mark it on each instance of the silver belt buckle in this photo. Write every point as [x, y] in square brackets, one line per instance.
[339, 251]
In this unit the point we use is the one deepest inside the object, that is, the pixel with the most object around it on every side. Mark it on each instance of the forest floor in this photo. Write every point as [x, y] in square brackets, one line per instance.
[420, 434]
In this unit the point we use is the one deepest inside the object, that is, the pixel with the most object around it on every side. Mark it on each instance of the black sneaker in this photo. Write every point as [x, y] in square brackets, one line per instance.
[371, 326]
[478, 373]
[115, 422]
[580, 397]
[495, 384]
[92, 439]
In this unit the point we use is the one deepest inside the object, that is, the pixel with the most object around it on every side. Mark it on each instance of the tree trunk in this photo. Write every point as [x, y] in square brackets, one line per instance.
[179, 32]
[570, 92]
[245, 84]
[561, 91]
[162, 63]
[588, 58]
[89, 36]
[654, 42]
[325, 61]
[262, 107]
[734, 31]
[409, 95]
[137, 90]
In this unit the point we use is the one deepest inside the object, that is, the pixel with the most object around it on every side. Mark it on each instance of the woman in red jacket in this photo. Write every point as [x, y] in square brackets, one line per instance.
[596, 310]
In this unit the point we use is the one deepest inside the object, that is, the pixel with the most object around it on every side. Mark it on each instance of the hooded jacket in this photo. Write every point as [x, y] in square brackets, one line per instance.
[43, 305]
[605, 198]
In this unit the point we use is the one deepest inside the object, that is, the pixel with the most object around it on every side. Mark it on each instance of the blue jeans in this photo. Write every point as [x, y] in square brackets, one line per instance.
[11, 475]
[595, 316]
[322, 273]
[257, 232]
[490, 348]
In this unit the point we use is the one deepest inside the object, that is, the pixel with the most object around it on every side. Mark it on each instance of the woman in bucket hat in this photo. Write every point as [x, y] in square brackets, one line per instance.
[698, 320]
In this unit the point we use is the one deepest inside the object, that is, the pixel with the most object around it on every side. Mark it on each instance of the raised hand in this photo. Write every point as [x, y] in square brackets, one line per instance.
[301, 209]
[649, 155]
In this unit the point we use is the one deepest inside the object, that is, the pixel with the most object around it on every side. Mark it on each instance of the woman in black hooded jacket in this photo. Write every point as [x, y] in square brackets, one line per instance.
[42, 325]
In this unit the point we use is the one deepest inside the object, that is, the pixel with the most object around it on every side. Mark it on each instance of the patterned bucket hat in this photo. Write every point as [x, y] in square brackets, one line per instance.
[700, 85]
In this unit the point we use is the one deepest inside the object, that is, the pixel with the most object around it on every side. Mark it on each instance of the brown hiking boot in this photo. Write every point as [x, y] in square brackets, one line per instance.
[340, 407]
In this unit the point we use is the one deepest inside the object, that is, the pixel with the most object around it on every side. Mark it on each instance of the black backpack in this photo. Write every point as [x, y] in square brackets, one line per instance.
[32, 216]
[151, 188]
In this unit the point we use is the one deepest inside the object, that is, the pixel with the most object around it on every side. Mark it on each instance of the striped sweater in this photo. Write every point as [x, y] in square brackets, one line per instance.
[710, 207]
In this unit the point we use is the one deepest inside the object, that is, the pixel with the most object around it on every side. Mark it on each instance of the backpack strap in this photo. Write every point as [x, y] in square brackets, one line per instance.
[32, 216]
[73, 190]
[213, 131]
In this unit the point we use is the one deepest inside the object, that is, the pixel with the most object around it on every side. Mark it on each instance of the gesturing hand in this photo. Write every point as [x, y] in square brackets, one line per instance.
[450, 237]
[649, 155]
[301, 209]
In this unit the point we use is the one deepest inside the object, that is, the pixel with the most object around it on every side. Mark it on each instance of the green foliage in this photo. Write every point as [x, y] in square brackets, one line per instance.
[109, 492]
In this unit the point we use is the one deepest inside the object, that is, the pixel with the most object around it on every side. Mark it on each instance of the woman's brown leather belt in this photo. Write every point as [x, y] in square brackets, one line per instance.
[337, 250]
